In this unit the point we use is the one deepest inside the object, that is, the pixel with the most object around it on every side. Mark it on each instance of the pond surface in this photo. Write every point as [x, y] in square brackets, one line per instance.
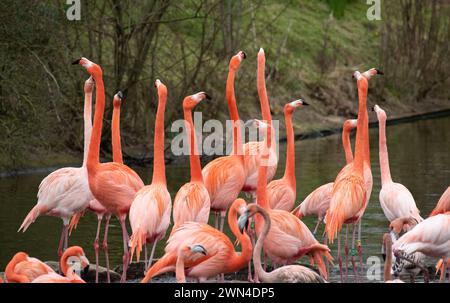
[419, 159]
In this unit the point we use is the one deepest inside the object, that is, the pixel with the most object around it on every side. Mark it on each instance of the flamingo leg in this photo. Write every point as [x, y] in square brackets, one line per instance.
[326, 260]
[66, 238]
[317, 225]
[105, 248]
[339, 256]
[126, 253]
[355, 270]
[96, 247]
[360, 248]
[222, 219]
[346, 253]
[61, 239]
[216, 220]
[152, 254]
[145, 257]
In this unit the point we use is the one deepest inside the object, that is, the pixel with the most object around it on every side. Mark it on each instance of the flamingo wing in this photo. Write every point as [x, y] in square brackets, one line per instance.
[192, 203]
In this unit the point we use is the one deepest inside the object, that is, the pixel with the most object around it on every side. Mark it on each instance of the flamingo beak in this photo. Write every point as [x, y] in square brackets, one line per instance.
[76, 62]
[379, 72]
[208, 97]
[243, 222]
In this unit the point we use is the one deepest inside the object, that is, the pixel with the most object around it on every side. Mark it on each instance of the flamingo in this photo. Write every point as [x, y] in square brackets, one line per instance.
[395, 199]
[443, 204]
[192, 201]
[252, 150]
[318, 201]
[387, 251]
[221, 257]
[183, 253]
[65, 191]
[73, 258]
[24, 269]
[285, 274]
[152, 205]
[224, 177]
[289, 238]
[430, 237]
[349, 197]
[281, 193]
[113, 184]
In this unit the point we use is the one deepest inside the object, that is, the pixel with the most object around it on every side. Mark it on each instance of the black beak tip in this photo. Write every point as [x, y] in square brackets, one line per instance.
[207, 96]
[86, 270]
[120, 94]
[379, 72]
[245, 55]
[373, 108]
[76, 62]
[305, 103]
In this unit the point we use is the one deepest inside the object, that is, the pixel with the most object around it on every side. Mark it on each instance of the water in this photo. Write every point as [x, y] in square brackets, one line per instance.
[419, 159]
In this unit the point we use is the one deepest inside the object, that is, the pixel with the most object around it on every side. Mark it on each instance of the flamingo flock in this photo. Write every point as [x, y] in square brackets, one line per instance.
[198, 251]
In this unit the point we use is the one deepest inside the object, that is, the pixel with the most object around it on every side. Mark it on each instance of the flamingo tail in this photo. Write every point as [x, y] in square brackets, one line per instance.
[31, 217]
[137, 240]
[334, 222]
[74, 221]
[167, 260]
[318, 252]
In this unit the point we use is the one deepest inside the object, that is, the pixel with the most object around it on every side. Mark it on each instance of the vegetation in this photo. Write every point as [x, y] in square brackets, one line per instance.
[312, 47]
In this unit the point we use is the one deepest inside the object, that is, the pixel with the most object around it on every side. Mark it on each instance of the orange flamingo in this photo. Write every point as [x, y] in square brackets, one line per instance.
[349, 197]
[288, 238]
[113, 184]
[65, 191]
[184, 252]
[72, 258]
[224, 177]
[192, 201]
[285, 274]
[24, 269]
[443, 204]
[253, 150]
[395, 199]
[318, 201]
[281, 193]
[151, 208]
[221, 257]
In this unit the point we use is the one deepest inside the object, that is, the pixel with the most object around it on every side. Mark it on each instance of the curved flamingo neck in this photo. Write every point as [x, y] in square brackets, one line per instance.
[194, 159]
[265, 276]
[115, 131]
[289, 172]
[347, 145]
[232, 107]
[87, 115]
[159, 168]
[361, 126]
[11, 275]
[94, 146]
[388, 261]
[384, 157]
[179, 268]
[239, 260]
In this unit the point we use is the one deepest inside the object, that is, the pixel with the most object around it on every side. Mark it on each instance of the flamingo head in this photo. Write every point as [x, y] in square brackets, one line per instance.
[198, 249]
[249, 212]
[92, 68]
[291, 106]
[191, 101]
[162, 90]
[119, 98]
[236, 60]
[239, 205]
[89, 85]
[74, 257]
[381, 114]
[372, 72]
[350, 124]
[261, 57]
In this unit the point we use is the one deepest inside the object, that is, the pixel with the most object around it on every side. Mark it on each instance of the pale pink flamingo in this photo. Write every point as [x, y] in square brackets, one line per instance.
[221, 256]
[443, 204]
[72, 259]
[113, 184]
[288, 238]
[318, 201]
[281, 193]
[192, 202]
[430, 237]
[152, 205]
[185, 252]
[395, 199]
[65, 191]
[349, 198]
[285, 274]
[253, 150]
[224, 177]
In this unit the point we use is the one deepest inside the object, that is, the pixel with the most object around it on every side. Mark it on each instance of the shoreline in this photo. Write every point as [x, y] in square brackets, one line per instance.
[302, 136]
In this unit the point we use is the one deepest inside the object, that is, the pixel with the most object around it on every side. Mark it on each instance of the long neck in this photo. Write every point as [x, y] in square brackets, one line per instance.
[10, 273]
[194, 160]
[159, 170]
[238, 261]
[289, 172]
[94, 146]
[360, 135]
[232, 107]
[179, 269]
[63, 265]
[384, 157]
[262, 274]
[388, 262]
[115, 131]
[347, 145]
[366, 140]
[262, 92]
[87, 115]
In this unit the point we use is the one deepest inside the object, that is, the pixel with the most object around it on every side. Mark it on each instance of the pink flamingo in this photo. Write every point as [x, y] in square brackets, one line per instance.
[185, 252]
[113, 184]
[443, 204]
[349, 198]
[65, 191]
[152, 205]
[281, 193]
[318, 201]
[221, 256]
[253, 150]
[192, 201]
[224, 177]
[387, 251]
[395, 199]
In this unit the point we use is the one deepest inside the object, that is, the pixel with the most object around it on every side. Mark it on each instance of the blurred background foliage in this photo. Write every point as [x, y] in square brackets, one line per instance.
[312, 48]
